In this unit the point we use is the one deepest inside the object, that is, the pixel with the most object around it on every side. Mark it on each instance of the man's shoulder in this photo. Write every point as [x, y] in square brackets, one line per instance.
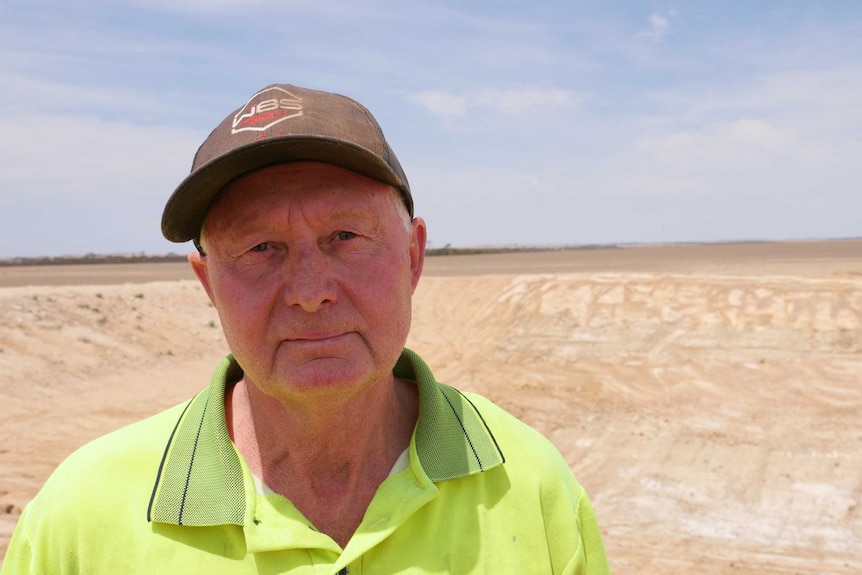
[503, 422]
[107, 482]
[127, 455]
[522, 445]
[142, 434]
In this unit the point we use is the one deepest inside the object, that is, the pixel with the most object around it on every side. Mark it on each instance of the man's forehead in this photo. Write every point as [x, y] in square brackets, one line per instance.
[306, 174]
[326, 192]
[306, 181]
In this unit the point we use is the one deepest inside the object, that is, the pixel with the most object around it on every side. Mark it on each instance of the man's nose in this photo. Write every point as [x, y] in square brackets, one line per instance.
[308, 281]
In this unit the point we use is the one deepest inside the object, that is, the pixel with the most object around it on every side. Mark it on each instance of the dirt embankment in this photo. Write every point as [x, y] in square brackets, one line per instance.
[713, 417]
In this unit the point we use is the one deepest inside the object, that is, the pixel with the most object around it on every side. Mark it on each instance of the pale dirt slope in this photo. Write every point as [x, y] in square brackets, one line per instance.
[713, 417]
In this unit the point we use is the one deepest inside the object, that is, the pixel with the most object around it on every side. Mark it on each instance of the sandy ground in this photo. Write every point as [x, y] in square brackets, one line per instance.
[708, 398]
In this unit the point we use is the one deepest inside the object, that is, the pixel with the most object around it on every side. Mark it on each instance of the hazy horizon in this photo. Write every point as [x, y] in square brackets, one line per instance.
[462, 249]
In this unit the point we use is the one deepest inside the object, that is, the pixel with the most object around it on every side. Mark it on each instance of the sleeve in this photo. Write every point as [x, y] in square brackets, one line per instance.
[590, 558]
[19, 555]
[574, 540]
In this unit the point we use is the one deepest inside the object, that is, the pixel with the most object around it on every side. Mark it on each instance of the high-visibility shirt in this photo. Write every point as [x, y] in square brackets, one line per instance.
[171, 494]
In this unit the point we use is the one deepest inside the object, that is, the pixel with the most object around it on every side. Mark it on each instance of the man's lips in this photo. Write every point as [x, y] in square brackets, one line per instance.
[315, 337]
[317, 345]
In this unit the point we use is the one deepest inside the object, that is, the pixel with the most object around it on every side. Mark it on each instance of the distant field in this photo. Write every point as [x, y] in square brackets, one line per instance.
[805, 258]
[707, 397]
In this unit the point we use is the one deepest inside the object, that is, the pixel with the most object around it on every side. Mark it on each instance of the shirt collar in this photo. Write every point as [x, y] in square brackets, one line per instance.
[200, 478]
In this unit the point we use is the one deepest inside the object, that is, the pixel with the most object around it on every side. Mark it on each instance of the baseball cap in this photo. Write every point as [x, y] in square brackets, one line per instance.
[282, 123]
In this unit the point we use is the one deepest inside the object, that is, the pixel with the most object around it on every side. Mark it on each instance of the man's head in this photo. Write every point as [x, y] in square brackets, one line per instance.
[282, 123]
[312, 270]
[311, 262]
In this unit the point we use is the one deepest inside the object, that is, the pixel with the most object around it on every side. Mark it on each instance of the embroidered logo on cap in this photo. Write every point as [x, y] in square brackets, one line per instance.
[266, 109]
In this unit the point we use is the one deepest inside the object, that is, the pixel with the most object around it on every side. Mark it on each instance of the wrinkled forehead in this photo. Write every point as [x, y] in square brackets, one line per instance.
[320, 189]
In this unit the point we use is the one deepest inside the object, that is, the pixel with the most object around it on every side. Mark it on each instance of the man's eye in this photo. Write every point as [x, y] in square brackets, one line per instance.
[260, 247]
[344, 235]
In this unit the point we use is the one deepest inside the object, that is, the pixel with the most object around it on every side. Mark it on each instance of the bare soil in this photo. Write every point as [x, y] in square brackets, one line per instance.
[708, 397]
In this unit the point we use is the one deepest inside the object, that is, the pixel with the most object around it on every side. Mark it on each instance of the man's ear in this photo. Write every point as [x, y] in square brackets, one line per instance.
[417, 249]
[199, 266]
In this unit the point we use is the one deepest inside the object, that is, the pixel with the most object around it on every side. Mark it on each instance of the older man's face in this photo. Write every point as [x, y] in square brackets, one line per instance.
[311, 268]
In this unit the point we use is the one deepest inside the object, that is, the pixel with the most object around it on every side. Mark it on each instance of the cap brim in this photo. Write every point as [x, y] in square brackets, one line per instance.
[187, 207]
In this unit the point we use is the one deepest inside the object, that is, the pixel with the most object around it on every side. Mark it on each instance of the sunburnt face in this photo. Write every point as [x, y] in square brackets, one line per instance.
[312, 269]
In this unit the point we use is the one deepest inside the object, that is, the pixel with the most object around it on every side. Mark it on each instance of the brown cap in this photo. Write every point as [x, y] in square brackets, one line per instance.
[282, 123]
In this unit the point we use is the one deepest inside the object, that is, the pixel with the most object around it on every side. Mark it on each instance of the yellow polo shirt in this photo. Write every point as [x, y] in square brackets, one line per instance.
[171, 494]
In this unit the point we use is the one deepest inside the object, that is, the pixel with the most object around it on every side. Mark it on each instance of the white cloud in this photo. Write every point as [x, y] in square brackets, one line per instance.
[747, 178]
[204, 5]
[258, 9]
[508, 101]
[46, 95]
[441, 103]
[772, 158]
[817, 100]
[513, 101]
[75, 184]
[89, 156]
[743, 142]
[659, 27]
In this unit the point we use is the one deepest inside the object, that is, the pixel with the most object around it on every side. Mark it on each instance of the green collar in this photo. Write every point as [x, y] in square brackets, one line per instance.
[200, 478]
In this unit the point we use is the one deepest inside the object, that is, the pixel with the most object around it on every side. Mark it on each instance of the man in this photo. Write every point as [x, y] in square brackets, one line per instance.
[321, 445]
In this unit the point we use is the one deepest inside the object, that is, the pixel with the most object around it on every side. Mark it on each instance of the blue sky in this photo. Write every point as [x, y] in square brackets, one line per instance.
[517, 122]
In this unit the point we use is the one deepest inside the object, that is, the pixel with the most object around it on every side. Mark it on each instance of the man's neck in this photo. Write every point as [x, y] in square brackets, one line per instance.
[327, 459]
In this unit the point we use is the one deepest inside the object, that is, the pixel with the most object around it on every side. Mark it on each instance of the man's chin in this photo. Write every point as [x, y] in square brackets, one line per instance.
[322, 375]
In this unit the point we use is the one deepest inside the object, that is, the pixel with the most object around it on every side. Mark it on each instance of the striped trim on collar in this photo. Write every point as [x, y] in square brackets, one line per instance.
[200, 478]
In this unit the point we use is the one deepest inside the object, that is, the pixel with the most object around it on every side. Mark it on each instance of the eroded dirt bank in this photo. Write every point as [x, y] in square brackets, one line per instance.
[713, 417]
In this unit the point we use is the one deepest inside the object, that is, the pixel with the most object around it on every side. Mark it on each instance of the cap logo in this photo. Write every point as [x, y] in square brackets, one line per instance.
[261, 114]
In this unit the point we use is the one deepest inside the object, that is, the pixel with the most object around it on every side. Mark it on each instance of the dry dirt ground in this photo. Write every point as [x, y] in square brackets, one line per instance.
[708, 397]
